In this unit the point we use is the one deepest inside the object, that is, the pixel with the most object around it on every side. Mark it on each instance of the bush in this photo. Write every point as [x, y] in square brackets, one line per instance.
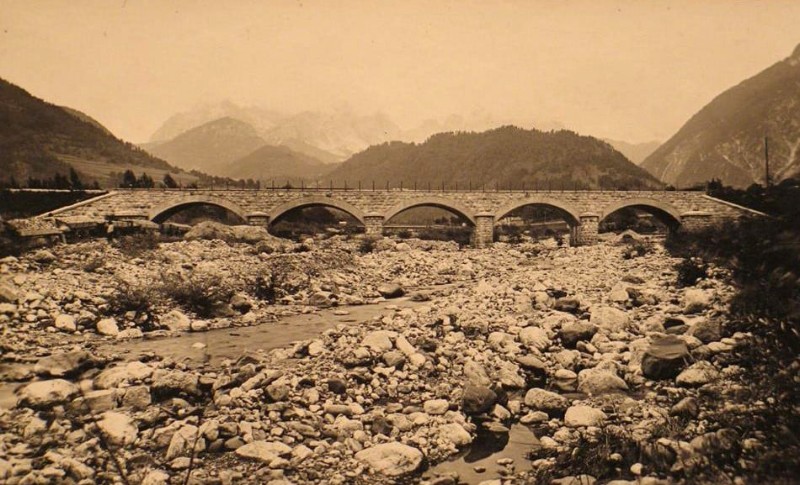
[690, 271]
[200, 292]
[404, 234]
[763, 256]
[276, 282]
[367, 245]
[134, 297]
[636, 249]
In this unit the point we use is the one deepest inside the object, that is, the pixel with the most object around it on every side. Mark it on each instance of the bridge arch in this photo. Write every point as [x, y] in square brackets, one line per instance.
[441, 202]
[343, 206]
[164, 211]
[663, 211]
[572, 215]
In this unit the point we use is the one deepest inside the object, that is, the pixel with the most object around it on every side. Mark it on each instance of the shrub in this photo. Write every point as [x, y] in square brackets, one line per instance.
[134, 297]
[690, 271]
[404, 234]
[636, 249]
[276, 282]
[367, 245]
[198, 291]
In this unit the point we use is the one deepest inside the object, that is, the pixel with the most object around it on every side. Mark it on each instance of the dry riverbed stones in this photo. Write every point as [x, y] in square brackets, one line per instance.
[562, 351]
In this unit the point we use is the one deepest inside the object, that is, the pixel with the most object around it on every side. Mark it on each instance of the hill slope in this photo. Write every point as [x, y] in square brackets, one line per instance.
[39, 139]
[725, 139]
[209, 147]
[507, 156]
[280, 164]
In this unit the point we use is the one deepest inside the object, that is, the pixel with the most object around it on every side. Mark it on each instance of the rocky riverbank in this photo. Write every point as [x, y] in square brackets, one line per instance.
[586, 346]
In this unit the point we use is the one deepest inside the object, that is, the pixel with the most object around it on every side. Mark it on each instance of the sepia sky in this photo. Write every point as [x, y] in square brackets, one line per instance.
[629, 70]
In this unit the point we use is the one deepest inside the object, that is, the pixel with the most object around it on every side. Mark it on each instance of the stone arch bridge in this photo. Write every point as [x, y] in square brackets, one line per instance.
[582, 210]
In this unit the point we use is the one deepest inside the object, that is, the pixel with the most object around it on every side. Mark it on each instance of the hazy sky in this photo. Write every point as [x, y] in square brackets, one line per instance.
[628, 70]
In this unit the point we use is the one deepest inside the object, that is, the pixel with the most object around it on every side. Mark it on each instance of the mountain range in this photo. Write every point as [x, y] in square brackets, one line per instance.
[725, 139]
[310, 139]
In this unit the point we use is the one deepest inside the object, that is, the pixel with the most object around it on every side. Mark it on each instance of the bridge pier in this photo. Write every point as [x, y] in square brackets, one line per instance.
[258, 219]
[586, 232]
[483, 232]
[373, 225]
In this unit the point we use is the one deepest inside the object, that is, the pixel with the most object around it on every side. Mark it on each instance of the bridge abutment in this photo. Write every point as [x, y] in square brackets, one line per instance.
[373, 225]
[586, 232]
[483, 232]
[695, 221]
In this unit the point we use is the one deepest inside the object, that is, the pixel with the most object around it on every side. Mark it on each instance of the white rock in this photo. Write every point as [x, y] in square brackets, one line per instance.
[176, 320]
[379, 340]
[66, 323]
[130, 333]
[534, 338]
[118, 428]
[609, 318]
[697, 374]
[578, 416]
[455, 433]
[436, 406]
[392, 459]
[264, 451]
[156, 477]
[108, 327]
[47, 393]
[696, 300]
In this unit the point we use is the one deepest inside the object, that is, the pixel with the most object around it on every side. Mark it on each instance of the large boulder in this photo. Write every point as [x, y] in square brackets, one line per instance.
[534, 338]
[665, 358]
[115, 376]
[455, 433]
[8, 294]
[578, 416]
[391, 290]
[476, 374]
[698, 374]
[251, 234]
[263, 451]
[210, 230]
[379, 340]
[391, 459]
[696, 300]
[68, 363]
[541, 400]
[477, 399]
[706, 330]
[171, 382]
[108, 327]
[322, 299]
[572, 333]
[118, 428]
[609, 318]
[599, 380]
[45, 394]
[176, 320]
[66, 323]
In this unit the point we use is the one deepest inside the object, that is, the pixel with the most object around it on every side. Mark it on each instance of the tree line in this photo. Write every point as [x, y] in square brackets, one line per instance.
[58, 181]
